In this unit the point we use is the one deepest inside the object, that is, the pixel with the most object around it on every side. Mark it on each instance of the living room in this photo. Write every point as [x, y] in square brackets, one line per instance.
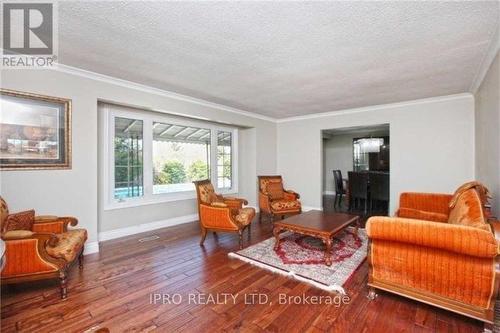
[161, 126]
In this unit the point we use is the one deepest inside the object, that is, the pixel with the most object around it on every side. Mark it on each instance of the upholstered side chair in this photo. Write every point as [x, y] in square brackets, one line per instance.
[440, 249]
[45, 250]
[274, 200]
[218, 213]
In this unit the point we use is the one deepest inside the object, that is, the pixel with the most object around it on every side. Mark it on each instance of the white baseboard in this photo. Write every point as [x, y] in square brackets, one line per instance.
[308, 208]
[136, 229]
[91, 247]
[329, 192]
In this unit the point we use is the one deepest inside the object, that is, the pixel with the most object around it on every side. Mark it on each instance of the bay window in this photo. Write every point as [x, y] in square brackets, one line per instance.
[150, 157]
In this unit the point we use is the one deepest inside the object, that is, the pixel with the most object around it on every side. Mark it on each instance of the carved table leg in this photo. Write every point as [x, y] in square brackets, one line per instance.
[328, 255]
[356, 227]
[276, 233]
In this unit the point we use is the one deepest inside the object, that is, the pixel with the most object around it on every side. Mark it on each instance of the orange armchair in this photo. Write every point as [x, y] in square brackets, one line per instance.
[274, 200]
[218, 213]
[46, 251]
[440, 249]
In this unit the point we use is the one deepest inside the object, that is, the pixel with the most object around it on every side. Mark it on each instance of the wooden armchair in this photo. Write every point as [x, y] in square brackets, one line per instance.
[46, 251]
[217, 213]
[441, 250]
[274, 200]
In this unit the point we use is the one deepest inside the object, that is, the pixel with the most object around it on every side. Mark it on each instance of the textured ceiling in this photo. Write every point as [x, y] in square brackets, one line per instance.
[283, 59]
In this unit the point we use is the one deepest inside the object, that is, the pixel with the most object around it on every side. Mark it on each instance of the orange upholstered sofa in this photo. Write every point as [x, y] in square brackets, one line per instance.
[440, 249]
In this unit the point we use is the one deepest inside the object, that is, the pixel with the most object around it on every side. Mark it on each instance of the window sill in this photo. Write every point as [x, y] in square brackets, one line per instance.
[156, 199]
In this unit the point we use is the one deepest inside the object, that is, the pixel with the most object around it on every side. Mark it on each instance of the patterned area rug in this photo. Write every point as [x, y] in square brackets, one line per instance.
[302, 257]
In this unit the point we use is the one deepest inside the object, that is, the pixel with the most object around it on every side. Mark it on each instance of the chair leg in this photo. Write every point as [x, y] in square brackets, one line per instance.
[372, 294]
[249, 231]
[64, 284]
[282, 217]
[240, 238]
[80, 260]
[203, 235]
[488, 328]
[340, 201]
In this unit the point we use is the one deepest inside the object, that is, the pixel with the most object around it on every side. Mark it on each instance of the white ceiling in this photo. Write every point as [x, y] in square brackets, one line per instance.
[283, 59]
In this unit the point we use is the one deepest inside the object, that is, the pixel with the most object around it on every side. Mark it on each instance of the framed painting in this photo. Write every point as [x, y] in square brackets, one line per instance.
[35, 131]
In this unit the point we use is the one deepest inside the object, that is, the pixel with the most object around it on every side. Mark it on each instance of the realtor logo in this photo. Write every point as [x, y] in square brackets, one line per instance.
[28, 35]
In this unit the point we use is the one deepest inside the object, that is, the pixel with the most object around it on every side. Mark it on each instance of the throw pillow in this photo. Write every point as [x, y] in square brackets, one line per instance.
[468, 211]
[20, 221]
[275, 191]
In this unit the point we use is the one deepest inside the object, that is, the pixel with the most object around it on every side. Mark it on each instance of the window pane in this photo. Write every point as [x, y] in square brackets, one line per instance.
[181, 154]
[128, 158]
[224, 159]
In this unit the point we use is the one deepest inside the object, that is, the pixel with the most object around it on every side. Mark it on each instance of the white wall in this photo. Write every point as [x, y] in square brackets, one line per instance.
[488, 133]
[432, 145]
[75, 192]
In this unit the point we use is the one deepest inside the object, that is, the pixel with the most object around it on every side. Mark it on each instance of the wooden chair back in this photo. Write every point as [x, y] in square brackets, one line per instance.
[339, 184]
[379, 186]
[358, 182]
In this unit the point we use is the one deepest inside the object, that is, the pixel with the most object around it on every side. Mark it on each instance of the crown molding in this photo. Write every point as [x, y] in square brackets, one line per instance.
[165, 93]
[376, 107]
[486, 62]
[148, 89]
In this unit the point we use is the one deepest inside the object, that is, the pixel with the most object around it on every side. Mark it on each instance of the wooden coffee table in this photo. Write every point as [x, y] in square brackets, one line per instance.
[317, 224]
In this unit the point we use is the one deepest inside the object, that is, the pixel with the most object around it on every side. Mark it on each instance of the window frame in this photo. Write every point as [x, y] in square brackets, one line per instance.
[110, 112]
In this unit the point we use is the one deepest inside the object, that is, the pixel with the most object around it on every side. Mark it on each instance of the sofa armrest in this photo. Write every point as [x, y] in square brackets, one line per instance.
[235, 202]
[495, 228]
[264, 202]
[416, 214]
[429, 202]
[291, 195]
[45, 237]
[26, 253]
[217, 217]
[450, 237]
[53, 224]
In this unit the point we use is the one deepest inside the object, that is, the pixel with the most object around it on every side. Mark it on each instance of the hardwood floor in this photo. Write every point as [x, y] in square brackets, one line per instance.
[114, 290]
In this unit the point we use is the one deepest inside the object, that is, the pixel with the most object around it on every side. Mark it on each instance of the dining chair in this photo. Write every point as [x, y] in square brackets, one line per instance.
[340, 190]
[358, 183]
[379, 188]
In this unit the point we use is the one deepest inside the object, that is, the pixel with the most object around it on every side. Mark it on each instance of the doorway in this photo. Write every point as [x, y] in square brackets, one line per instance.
[356, 169]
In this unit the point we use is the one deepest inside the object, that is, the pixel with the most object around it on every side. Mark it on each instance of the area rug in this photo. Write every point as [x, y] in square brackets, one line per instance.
[302, 257]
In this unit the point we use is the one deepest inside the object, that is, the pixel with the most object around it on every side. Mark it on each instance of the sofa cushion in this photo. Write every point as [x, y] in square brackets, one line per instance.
[17, 234]
[218, 204]
[245, 215]
[207, 193]
[285, 205]
[417, 214]
[275, 191]
[20, 221]
[264, 183]
[68, 244]
[467, 211]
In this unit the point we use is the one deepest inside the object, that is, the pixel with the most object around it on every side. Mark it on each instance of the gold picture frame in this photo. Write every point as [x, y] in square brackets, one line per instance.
[35, 131]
